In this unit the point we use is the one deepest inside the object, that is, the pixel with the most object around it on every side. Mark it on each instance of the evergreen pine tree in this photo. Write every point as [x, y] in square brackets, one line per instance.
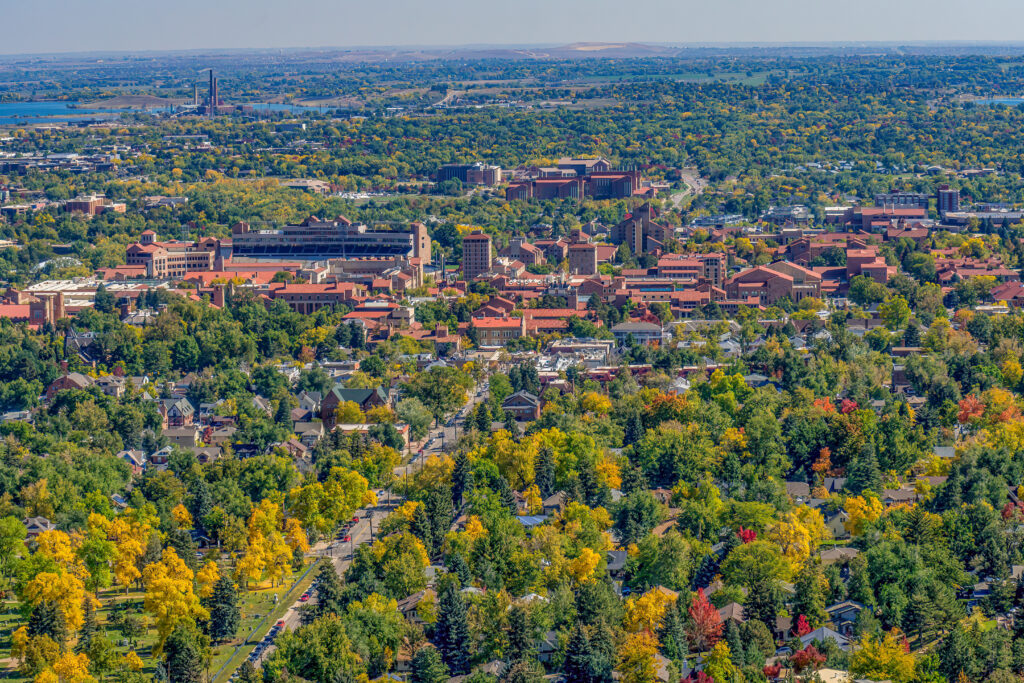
[578, 657]
[633, 479]
[810, 599]
[183, 544]
[47, 619]
[520, 636]
[183, 653]
[283, 415]
[763, 602]
[462, 478]
[422, 529]
[912, 335]
[458, 568]
[858, 586]
[343, 335]
[328, 590]
[482, 418]
[451, 632]
[357, 337]
[864, 473]
[544, 471]
[89, 628]
[441, 515]
[634, 429]
[705, 573]
[225, 614]
[956, 655]
[603, 653]
[735, 642]
[201, 503]
[506, 496]
[672, 634]
[427, 666]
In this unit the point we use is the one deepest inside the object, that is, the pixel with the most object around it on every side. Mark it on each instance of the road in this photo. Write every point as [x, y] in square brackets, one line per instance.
[340, 552]
[694, 183]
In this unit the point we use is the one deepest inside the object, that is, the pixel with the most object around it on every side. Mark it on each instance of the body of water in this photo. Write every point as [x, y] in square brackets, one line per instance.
[27, 113]
[1009, 101]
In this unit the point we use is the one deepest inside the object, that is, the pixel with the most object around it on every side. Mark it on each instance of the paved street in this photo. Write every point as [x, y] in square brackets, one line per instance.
[340, 552]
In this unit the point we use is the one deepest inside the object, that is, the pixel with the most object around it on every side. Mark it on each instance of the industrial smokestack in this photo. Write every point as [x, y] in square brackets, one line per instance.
[213, 93]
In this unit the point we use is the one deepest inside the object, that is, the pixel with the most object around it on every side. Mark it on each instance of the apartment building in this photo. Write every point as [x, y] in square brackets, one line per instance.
[476, 254]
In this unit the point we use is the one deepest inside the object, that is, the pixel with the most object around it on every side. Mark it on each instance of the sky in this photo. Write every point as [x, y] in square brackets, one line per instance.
[45, 26]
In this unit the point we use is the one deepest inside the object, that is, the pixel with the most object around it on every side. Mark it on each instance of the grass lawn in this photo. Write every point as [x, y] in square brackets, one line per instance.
[258, 609]
[258, 612]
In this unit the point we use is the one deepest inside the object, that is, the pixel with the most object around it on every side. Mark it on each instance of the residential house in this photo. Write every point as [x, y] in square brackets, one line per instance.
[843, 616]
[523, 405]
[37, 525]
[70, 380]
[186, 437]
[824, 633]
[309, 432]
[136, 460]
[178, 413]
[364, 398]
[111, 385]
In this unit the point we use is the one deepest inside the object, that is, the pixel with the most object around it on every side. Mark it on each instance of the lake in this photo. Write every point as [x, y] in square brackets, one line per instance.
[14, 113]
[1008, 101]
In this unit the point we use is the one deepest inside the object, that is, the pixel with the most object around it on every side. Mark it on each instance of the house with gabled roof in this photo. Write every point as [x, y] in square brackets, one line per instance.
[364, 398]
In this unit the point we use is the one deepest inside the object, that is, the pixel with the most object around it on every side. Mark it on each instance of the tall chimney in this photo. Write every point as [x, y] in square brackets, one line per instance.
[213, 94]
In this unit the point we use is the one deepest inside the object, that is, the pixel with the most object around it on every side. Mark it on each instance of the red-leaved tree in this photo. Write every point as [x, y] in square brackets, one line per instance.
[802, 627]
[807, 659]
[704, 627]
[747, 535]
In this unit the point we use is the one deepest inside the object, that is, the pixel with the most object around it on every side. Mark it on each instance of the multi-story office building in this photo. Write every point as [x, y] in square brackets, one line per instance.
[470, 174]
[583, 259]
[947, 200]
[476, 254]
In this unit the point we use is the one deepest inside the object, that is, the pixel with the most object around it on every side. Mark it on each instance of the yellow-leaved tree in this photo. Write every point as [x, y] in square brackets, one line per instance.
[637, 658]
[70, 668]
[883, 657]
[644, 613]
[862, 511]
[182, 517]
[64, 590]
[267, 555]
[206, 578]
[129, 536]
[169, 594]
[582, 568]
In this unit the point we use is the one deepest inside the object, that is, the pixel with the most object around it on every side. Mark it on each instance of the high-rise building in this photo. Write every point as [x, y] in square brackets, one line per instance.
[947, 200]
[583, 259]
[476, 254]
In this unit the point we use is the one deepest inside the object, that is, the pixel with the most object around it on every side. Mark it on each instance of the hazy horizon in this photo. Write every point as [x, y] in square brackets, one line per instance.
[115, 26]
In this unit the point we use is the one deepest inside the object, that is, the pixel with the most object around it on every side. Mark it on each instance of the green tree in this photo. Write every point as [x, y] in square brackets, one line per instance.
[225, 613]
[544, 471]
[427, 666]
[636, 515]
[810, 599]
[412, 412]
[451, 633]
[185, 654]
